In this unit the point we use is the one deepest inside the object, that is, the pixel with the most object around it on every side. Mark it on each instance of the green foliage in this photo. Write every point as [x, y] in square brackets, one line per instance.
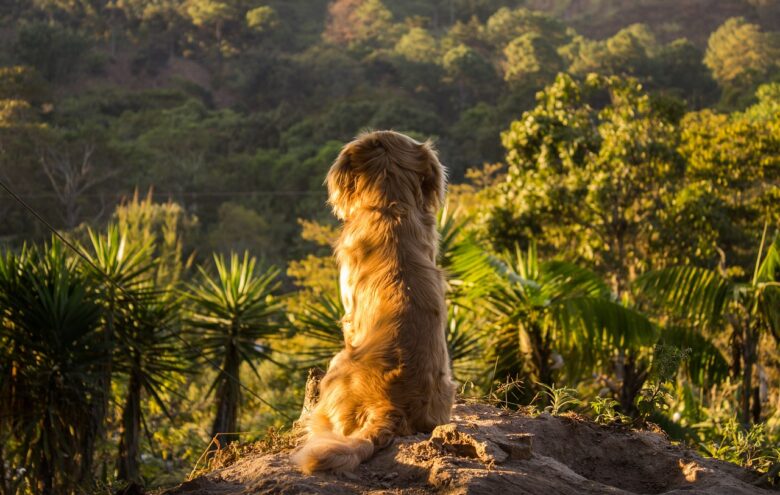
[560, 399]
[592, 177]
[234, 314]
[739, 52]
[320, 320]
[261, 18]
[52, 363]
[664, 367]
[531, 59]
[417, 45]
[636, 186]
[54, 51]
[752, 448]
[606, 411]
[547, 312]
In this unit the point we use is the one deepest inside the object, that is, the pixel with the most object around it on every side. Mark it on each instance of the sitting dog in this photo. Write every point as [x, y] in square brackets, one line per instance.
[393, 376]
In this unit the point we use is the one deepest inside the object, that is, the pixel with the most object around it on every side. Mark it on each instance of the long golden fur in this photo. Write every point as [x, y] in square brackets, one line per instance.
[393, 375]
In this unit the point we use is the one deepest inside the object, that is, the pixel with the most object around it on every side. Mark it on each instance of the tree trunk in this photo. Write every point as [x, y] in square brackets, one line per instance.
[633, 380]
[749, 359]
[541, 357]
[45, 474]
[127, 461]
[218, 35]
[228, 398]
[736, 354]
[312, 391]
[756, 410]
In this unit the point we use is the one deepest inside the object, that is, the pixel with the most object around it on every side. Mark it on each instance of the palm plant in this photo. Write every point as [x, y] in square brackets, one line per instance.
[547, 314]
[50, 319]
[149, 354]
[120, 271]
[320, 320]
[465, 331]
[234, 314]
[710, 300]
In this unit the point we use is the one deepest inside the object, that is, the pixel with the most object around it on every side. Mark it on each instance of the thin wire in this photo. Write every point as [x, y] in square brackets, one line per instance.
[130, 296]
[215, 194]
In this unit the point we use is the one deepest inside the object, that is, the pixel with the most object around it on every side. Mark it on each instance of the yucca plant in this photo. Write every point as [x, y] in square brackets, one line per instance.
[320, 320]
[233, 315]
[120, 270]
[149, 354]
[711, 301]
[50, 320]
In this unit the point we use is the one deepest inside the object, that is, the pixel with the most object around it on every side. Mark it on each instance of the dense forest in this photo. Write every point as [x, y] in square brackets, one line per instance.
[612, 233]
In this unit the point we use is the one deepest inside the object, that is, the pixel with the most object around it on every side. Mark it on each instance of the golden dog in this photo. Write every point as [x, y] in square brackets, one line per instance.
[393, 375]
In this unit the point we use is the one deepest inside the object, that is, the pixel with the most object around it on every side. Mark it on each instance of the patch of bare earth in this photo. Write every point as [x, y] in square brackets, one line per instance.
[489, 451]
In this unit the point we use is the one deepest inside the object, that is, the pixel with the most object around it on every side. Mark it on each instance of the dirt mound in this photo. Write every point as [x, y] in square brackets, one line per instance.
[489, 451]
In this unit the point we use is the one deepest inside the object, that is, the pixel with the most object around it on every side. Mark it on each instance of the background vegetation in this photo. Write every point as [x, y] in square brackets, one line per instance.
[611, 234]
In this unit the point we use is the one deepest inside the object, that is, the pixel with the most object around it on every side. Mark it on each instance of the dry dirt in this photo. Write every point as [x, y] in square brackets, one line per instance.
[490, 451]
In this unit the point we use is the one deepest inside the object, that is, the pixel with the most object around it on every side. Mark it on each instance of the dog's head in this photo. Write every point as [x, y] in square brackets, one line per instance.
[383, 168]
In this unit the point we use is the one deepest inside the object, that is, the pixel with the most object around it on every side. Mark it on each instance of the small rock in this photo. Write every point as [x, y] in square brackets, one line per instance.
[451, 438]
[518, 445]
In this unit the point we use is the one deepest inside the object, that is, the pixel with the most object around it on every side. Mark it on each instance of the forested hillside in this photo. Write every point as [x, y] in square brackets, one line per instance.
[234, 109]
[611, 233]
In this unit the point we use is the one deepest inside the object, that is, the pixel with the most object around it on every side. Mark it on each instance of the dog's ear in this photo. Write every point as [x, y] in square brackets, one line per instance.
[341, 183]
[434, 178]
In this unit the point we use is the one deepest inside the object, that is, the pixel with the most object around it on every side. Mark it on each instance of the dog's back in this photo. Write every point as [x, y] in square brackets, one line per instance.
[393, 376]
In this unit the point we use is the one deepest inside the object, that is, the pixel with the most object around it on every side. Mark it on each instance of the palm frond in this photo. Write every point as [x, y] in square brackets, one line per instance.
[450, 233]
[464, 342]
[687, 292]
[321, 320]
[595, 324]
[768, 267]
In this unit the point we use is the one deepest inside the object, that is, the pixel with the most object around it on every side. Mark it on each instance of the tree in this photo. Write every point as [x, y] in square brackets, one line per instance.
[417, 46]
[72, 173]
[589, 181]
[211, 13]
[507, 24]
[593, 184]
[232, 316]
[149, 353]
[734, 159]
[531, 59]
[470, 71]
[54, 51]
[629, 52]
[356, 23]
[119, 271]
[739, 52]
[261, 19]
[139, 322]
[50, 378]
[710, 300]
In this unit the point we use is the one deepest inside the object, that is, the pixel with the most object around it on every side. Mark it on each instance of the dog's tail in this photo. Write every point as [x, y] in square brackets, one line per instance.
[329, 451]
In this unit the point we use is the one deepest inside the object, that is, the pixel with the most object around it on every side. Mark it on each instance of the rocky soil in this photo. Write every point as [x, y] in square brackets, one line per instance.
[485, 450]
